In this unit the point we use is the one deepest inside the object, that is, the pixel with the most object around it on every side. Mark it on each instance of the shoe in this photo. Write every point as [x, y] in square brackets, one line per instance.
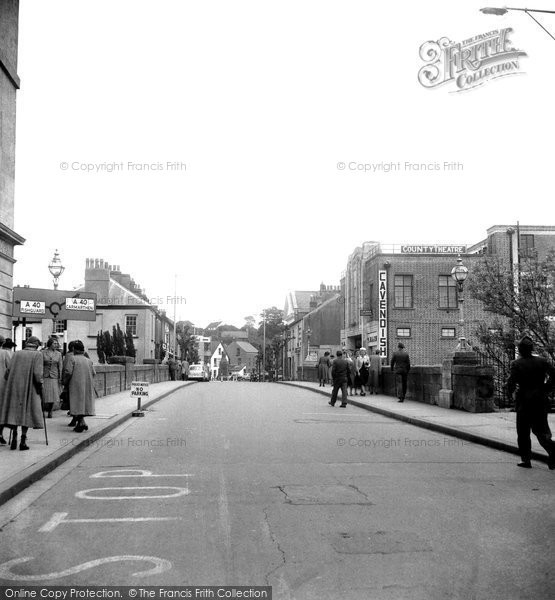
[401, 400]
[331, 404]
[22, 444]
[72, 423]
[525, 464]
[363, 393]
[13, 445]
[79, 428]
[551, 465]
[2, 441]
[49, 416]
[342, 406]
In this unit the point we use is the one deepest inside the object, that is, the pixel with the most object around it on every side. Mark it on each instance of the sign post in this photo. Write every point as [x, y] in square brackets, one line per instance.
[139, 389]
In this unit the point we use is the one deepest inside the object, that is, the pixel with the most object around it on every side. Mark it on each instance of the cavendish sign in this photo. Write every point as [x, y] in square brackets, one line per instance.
[382, 313]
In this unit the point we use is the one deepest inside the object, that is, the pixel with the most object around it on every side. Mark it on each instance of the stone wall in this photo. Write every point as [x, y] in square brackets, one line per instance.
[111, 379]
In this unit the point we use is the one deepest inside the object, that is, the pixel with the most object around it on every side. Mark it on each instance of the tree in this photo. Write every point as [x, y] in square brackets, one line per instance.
[107, 345]
[129, 345]
[118, 340]
[100, 348]
[524, 301]
[187, 342]
[274, 322]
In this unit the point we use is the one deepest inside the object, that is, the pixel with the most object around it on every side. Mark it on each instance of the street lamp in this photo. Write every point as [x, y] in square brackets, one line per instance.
[459, 274]
[56, 268]
[491, 10]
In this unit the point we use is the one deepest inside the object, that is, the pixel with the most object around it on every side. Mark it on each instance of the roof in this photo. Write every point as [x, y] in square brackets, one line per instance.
[246, 347]
[213, 325]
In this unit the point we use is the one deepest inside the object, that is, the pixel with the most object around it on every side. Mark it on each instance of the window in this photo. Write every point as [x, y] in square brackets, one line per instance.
[448, 332]
[131, 324]
[58, 327]
[527, 245]
[403, 332]
[238, 351]
[447, 292]
[403, 291]
[239, 361]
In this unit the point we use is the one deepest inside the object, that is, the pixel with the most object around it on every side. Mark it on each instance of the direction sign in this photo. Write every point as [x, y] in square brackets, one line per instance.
[62, 305]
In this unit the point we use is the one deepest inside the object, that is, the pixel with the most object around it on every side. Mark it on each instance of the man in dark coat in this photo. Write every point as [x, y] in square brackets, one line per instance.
[339, 372]
[400, 365]
[528, 377]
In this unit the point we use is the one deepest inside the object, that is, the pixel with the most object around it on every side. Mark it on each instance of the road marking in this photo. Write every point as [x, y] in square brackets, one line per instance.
[140, 473]
[60, 519]
[84, 494]
[160, 565]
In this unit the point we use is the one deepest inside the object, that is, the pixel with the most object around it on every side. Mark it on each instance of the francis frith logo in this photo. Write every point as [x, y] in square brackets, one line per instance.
[470, 63]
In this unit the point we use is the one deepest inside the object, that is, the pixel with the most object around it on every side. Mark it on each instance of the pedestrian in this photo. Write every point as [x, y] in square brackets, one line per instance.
[400, 365]
[351, 373]
[78, 377]
[52, 364]
[340, 372]
[6, 355]
[178, 370]
[324, 364]
[172, 367]
[185, 370]
[64, 396]
[356, 378]
[375, 372]
[363, 367]
[21, 405]
[528, 377]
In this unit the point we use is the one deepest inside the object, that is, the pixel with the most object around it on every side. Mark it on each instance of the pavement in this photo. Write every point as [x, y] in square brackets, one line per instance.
[495, 430]
[19, 469]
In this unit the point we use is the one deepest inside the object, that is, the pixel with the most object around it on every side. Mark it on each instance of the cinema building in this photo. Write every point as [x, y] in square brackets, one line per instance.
[404, 292]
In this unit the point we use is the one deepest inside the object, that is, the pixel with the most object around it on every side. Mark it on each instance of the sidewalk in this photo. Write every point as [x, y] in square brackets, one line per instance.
[19, 470]
[496, 430]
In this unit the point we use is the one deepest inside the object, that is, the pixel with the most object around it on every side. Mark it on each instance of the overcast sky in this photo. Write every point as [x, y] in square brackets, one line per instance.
[261, 101]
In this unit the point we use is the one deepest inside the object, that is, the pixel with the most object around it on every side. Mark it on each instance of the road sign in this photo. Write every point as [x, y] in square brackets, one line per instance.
[62, 305]
[139, 389]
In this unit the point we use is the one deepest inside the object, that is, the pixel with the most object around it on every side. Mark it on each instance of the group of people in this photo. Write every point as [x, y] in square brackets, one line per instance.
[360, 371]
[363, 371]
[35, 380]
[178, 369]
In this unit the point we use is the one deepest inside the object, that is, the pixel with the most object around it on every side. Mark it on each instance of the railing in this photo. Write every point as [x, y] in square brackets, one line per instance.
[501, 365]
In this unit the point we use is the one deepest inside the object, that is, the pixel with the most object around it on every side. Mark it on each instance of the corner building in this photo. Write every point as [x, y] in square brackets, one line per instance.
[404, 292]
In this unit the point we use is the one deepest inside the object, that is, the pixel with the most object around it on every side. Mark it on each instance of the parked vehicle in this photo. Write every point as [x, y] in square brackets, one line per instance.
[199, 372]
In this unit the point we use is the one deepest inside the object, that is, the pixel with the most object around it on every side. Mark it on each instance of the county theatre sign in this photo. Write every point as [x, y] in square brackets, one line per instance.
[433, 249]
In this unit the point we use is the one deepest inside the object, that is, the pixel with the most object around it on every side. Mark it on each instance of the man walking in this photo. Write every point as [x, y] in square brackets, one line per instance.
[530, 373]
[339, 373]
[400, 365]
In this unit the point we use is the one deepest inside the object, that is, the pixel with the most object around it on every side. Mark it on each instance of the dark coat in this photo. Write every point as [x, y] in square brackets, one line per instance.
[400, 361]
[340, 370]
[21, 403]
[530, 375]
[323, 366]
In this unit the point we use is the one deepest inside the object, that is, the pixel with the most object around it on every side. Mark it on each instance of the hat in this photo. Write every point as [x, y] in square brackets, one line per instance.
[32, 341]
[8, 343]
[363, 349]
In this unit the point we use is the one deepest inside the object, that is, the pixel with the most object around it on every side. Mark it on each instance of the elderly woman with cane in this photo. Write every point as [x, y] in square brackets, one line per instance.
[21, 402]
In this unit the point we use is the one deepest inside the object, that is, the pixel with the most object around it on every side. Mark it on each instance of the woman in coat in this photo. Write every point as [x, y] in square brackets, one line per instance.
[324, 364]
[6, 355]
[52, 363]
[363, 367]
[78, 377]
[21, 402]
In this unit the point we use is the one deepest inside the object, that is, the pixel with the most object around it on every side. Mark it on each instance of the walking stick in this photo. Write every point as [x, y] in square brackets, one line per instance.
[43, 417]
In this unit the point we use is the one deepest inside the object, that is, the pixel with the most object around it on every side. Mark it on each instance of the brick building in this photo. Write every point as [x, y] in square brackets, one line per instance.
[9, 84]
[404, 292]
[242, 354]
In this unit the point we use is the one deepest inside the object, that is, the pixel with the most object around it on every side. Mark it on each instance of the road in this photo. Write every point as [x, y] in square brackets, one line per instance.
[228, 483]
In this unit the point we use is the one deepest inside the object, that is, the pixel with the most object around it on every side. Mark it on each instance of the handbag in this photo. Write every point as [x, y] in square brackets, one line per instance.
[64, 398]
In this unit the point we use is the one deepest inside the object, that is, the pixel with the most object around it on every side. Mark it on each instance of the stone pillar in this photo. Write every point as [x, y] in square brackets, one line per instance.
[472, 384]
[446, 391]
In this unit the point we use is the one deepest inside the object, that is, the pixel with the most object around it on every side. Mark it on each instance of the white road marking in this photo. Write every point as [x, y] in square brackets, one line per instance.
[140, 473]
[160, 565]
[84, 494]
[60, 519]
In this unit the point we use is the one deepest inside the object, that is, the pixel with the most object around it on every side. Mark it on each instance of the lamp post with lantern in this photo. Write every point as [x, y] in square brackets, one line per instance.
[459, 273]
[56, 268]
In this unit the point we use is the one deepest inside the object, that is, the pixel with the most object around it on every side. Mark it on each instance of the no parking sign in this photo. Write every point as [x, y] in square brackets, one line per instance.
[139, 390]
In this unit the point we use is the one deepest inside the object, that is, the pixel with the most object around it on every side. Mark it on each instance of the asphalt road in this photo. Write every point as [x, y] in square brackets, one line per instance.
[260, 484]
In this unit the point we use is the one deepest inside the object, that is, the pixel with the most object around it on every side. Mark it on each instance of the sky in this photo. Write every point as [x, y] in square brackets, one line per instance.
[244, 112]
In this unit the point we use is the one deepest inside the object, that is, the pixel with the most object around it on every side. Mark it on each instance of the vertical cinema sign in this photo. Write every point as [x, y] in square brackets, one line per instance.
[382, 313]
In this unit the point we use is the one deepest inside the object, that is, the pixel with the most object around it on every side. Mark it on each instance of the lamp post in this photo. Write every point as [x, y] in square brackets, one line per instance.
[308, 334]
[459, 273]
[491, 10]
[56, 268]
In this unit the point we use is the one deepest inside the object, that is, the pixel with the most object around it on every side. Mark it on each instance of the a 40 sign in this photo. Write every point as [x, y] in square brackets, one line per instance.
[33, 303]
